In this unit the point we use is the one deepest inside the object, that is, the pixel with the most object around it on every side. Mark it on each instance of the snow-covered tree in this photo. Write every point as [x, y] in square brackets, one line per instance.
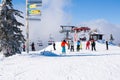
[11, 35]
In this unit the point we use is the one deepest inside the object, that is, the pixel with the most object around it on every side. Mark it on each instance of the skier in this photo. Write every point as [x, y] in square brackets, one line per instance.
[93, 45]
[88, 45]
[24, 47]
[78, 45]
[68, 45]
[63, 43]
[33, 46]
[72, 46]
[106, 45]
[54, 46]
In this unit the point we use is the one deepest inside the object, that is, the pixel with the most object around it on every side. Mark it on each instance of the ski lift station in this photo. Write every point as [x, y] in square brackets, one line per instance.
[96, 35]
[79, 32]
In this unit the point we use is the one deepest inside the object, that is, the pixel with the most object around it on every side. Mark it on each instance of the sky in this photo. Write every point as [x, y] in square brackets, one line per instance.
[86, 10]
[100, 14]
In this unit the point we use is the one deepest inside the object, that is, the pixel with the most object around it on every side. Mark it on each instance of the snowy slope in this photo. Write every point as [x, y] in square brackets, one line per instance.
[100, 47]
[83, 65]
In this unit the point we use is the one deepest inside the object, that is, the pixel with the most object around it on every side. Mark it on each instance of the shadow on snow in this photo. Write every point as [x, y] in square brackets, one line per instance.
[51, 54]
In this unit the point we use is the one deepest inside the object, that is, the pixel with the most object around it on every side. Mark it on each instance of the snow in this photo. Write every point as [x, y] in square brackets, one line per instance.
[48, 64]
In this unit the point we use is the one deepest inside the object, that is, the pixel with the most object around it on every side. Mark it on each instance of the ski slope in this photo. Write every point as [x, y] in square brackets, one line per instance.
[100, 49]
[48, 64]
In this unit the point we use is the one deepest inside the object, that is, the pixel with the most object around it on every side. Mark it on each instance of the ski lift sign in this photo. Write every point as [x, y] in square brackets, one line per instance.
[32, 6]
[34, 12]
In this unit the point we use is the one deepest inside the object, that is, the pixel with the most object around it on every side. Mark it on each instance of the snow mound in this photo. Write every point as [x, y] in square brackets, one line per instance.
[100, 49]
[48, 53]
[103, 42]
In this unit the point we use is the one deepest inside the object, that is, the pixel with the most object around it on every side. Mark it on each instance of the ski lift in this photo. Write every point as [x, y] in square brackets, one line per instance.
[50, 42]
[67, 30]
[40, 43]
[82, 29]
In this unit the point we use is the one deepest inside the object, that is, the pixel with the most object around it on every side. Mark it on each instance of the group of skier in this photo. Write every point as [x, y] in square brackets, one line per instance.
[93, 44]
[32, 47]
[70, 45]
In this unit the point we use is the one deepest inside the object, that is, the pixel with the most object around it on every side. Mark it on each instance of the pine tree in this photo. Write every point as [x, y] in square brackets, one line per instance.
[11, 35]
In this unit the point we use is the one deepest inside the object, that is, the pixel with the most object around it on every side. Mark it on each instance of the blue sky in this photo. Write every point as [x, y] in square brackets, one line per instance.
[86, 10]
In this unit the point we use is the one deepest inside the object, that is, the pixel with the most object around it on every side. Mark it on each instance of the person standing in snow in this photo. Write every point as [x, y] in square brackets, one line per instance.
[54, 46]
[24, 47]
[93, 44]
[88, 45]
[106, 45]
[33, 46]
[68, 45]
[72, 46]
[63, 43]
[78, 45]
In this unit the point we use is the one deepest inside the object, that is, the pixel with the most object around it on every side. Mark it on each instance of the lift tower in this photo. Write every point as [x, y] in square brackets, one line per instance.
[67, 30]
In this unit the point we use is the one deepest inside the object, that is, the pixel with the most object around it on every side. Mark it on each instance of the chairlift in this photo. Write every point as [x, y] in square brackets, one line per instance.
[40, 43]
[50, 42]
